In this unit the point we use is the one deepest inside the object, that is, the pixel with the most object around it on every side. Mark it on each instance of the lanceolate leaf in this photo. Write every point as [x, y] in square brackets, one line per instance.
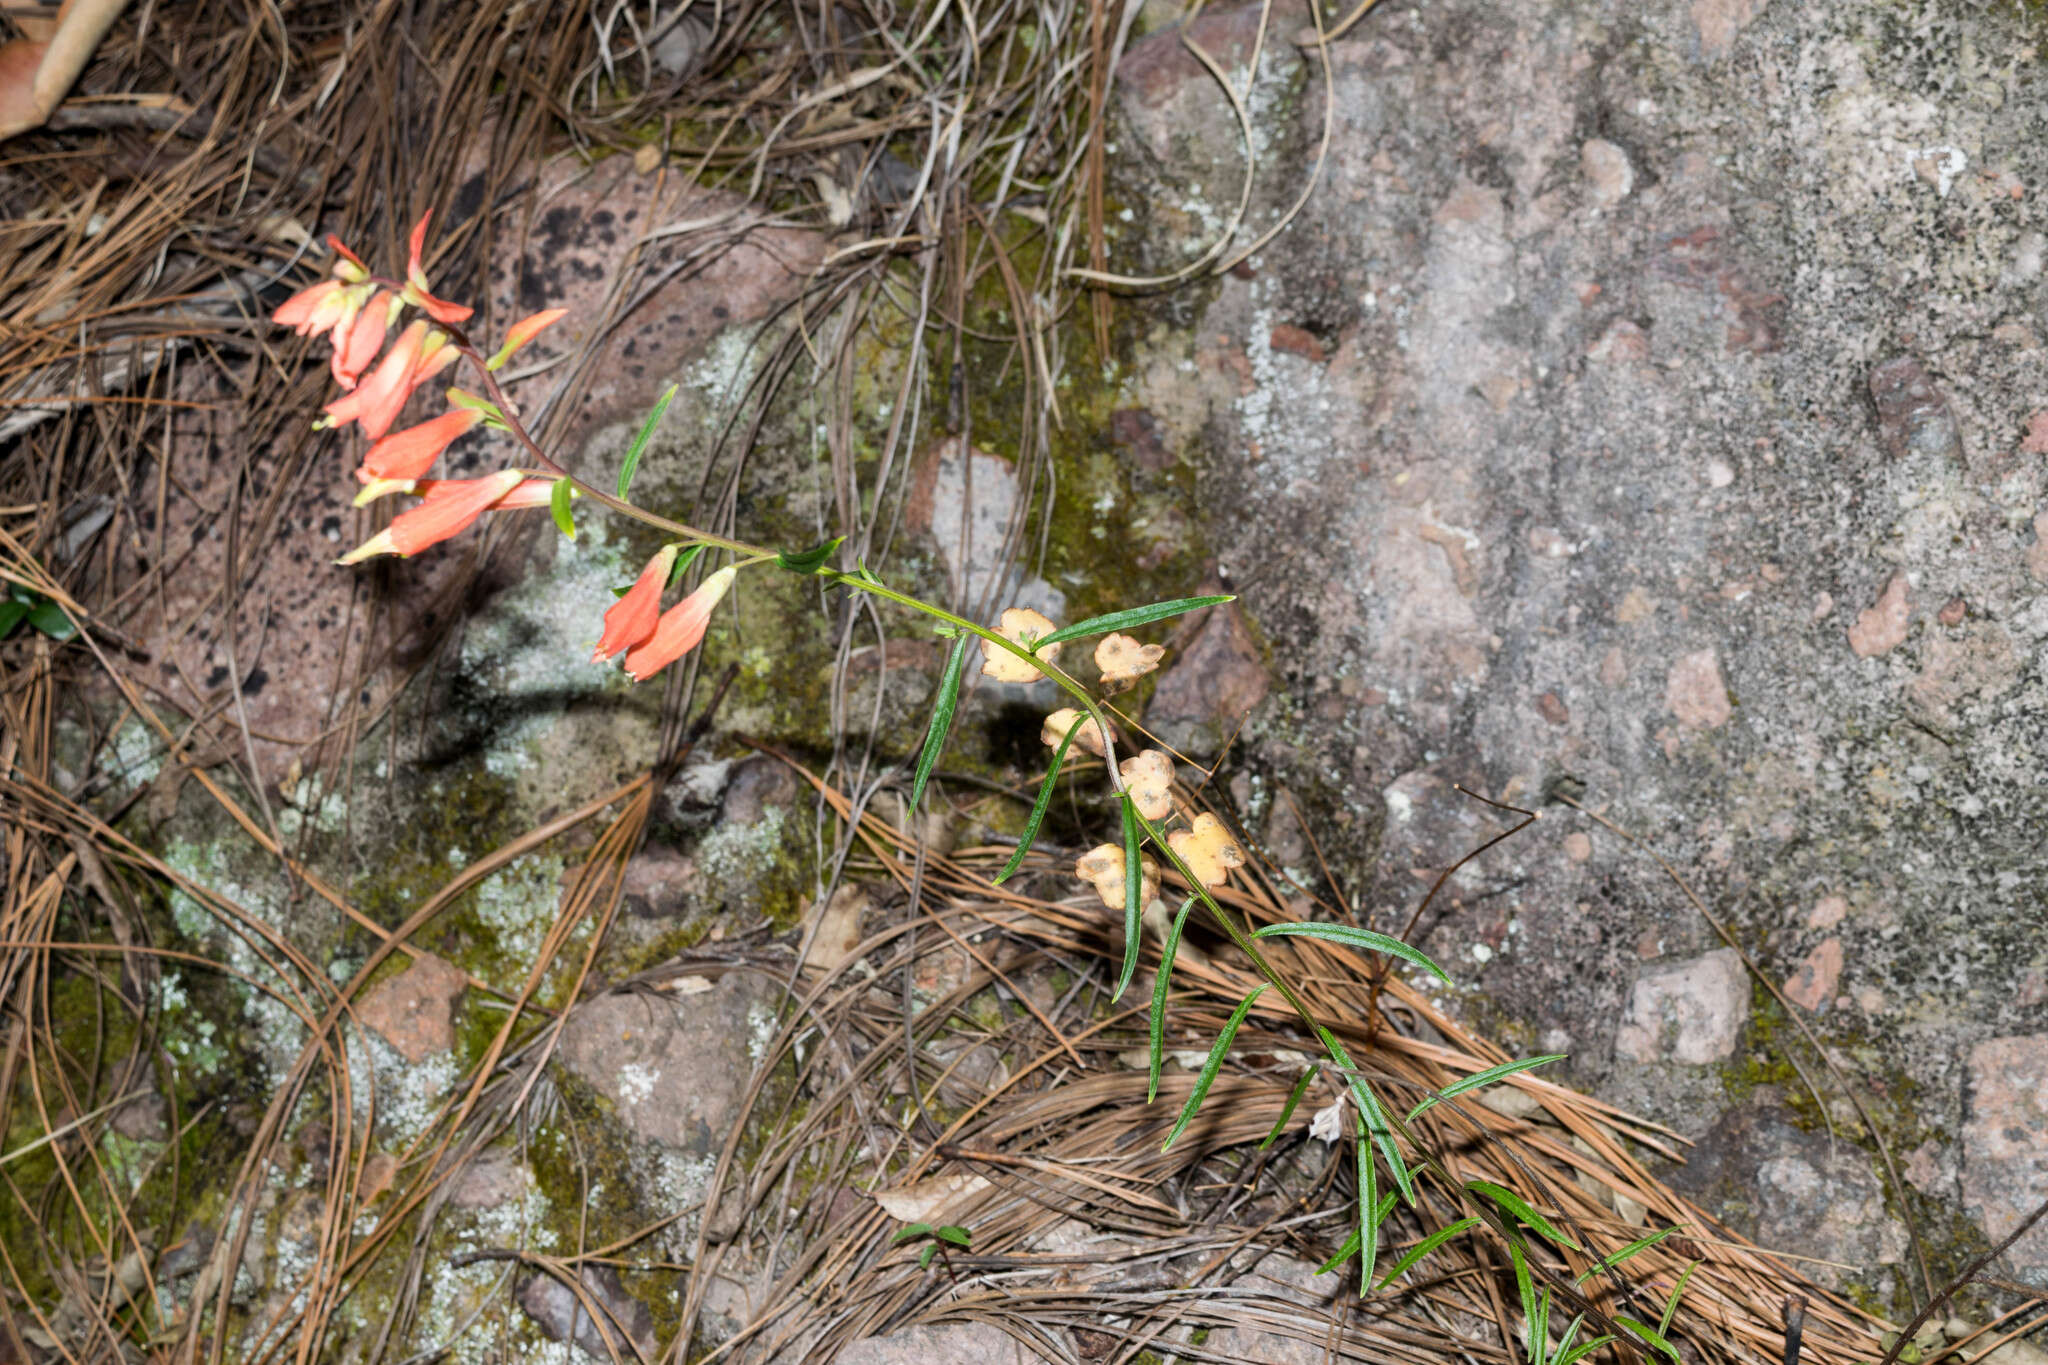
[953, 1233]
[1126, 620]
[1609, 1262]
[1651, 1337]
[1045, 788]
[935, 735]
[910, 1230]
[683, 563]
[1517, 1207]
[1159, 987]
[639, 446]
[811, 560]
[1352, 937]
[1368, 1201]
[1133, 882]
[1210, 1067]
[1293, 1098]
[1671, 1304]
[1581, 1351]
[1375, 1116]
[558, 507]
[1344, 1253]
[1486, 1077]
[1425, 1246]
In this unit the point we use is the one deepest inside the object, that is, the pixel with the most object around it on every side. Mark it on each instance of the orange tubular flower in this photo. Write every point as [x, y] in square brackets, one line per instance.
[416, 289]
[447, 511]
[357, 343]
[532, 493]
[632, 618]
[298, 311]
[395, 463]
[417, 356]
[680, 629]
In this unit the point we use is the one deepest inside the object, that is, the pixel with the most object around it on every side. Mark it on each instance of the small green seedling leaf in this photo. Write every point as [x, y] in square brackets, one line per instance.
[1293, 1097]
[942, 722]
[924, 1258]
[49, 618]
[1352, 937]
[1159, 988]
[1424, 1247]
[1479, 1078]
[13, 612]
[558, 507]
[808, 561]
[639, 446]
[1517, 1207]
[1045, 788]
[1126, 620]
[1211, 1066]
[1133, 883]
[953, 1233]
[910, 1231]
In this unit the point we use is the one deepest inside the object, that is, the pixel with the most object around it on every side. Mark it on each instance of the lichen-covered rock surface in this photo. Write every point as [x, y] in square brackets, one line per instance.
[1645, 406]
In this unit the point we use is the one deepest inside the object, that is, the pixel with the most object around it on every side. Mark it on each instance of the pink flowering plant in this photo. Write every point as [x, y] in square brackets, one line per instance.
[360, 312]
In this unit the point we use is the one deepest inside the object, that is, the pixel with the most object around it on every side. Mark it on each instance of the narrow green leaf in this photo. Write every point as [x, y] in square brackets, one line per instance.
[12, 612]
[49, 618]
[942, 722]
[1045, 788]
[1581, 1351]
[1650, 1336]
[1368, 1202]
[808, 561]
[1518, 1207]
[1126, 620]
[1159, 987]
[1352, 937]
[1375, 1116]
[1539, 1330]
[1671, 1304]
[1424, 1247]
[1525, 1286]
[558, 507]
[910, 1230]
[1571, 1333]
[682, 564]
[1486, 1077]
[639, 446]
[1608, 1263]
[924, 1258]
[1344, 1253]
[1215, 1062]
[953, 1233]
[1133, 881]
[1293, 1098]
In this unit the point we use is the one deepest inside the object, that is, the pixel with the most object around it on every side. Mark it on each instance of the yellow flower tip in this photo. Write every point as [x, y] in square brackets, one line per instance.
[1123, 660]
[1088, 737]
[378, 488]
[1207, 849]
[1020, 626]
[379, 544]
[1103, 868]
[1149, 779]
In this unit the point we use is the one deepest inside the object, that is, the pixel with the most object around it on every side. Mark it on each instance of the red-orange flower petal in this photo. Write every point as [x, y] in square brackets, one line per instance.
[525, 330]
[357, 343]
[632, 618]
[298, 310]
[376, 400]
[680, 629]
[447, 511]
[409, 454]
[346, 255]
[417, 289]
